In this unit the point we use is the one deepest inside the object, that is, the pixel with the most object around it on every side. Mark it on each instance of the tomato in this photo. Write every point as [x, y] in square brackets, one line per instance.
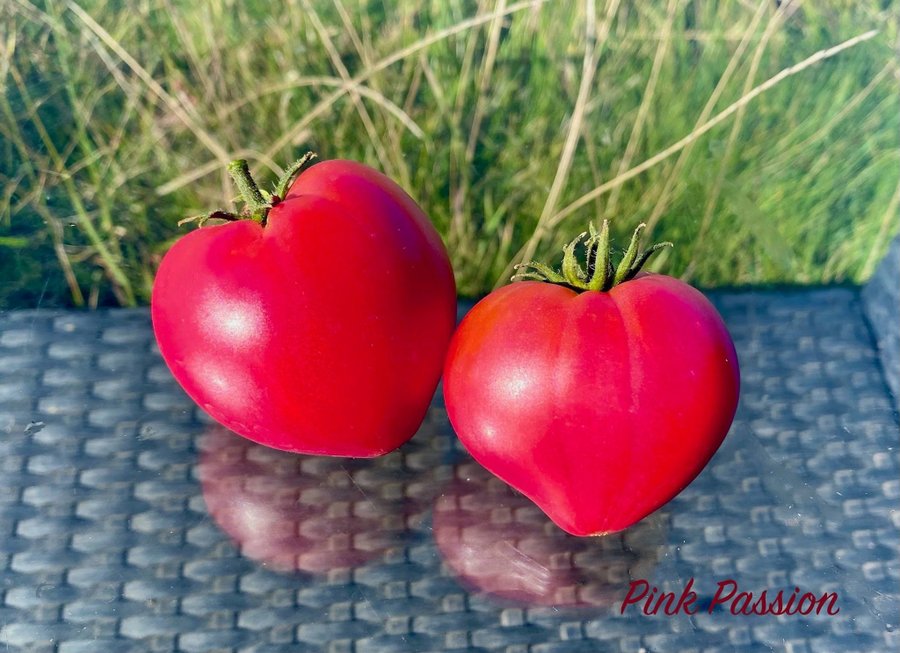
[319, 323]
[599, 402]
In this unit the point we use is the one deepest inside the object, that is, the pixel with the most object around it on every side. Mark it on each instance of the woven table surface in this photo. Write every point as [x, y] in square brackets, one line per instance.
[130, 522]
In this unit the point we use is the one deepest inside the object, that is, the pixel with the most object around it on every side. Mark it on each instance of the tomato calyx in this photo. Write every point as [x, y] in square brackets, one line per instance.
[257, 202]
[598, 273]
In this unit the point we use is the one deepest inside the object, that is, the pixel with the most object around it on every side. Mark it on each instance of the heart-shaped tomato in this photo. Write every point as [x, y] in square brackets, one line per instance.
[319, 327]
[598, 403]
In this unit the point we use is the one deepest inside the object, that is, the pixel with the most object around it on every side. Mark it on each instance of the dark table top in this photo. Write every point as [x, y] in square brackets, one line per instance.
[130, 522]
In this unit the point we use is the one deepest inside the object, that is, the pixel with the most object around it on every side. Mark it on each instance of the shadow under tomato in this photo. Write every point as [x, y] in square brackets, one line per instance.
[314, 514]
[497, 541]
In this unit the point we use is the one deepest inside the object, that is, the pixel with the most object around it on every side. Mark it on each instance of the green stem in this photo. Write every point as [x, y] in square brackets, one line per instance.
[285, 181]
[630, 255]
[257, 203]
[601, 276]
[600, 280]
[570, 267]
[253, 197]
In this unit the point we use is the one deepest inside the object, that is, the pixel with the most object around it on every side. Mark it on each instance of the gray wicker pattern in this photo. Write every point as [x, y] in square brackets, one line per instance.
[129, 522]
[881, 300]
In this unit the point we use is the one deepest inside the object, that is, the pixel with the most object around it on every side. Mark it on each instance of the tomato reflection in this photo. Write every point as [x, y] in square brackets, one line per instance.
[497, 541]
[303, 513]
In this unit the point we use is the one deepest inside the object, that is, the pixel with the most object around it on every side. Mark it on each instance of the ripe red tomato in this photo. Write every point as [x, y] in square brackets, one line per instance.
[599, 405]
[318, 326]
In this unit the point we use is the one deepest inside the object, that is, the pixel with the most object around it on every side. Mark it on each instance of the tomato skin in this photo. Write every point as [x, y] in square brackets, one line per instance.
[323, 332]
[598, 406]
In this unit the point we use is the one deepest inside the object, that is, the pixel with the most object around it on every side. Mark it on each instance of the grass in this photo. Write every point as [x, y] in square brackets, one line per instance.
[512, 124]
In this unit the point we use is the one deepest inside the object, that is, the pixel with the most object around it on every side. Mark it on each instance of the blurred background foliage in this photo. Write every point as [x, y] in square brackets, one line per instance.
[761, 137]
